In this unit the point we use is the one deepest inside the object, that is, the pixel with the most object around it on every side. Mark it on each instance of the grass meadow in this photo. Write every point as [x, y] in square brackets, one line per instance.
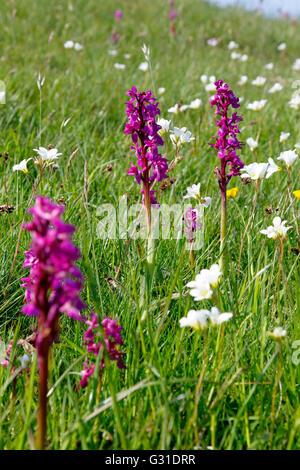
[232, 387]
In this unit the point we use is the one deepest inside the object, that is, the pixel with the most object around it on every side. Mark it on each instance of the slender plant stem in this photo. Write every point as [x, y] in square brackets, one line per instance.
[198, 388]
[277, 380]
[127, 246]
[248, 224]
[192, 255]
[150, 240]
[223, 259]
[42, 413]
[277, 292]
[5, 182]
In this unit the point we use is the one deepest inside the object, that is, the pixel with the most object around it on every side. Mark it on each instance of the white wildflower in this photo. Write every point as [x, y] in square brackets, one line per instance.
[165, 125]
[201, 287]
[194, 192]
[218, 318]
[272, 168]
[296, 65]
[244, 58]
[236, 55]
[22, 166]
[212, 42]
[255, 171]
[78, 46]
[196, 319]
[233, 45]
[278, 333]
[119, 66]
[259, 81]
[277, 230]
[195, 104]
[289, 156]
[243, 79]
[144, 66]
[295, 101]
[210, 87]
[257, 105]
[69, 44]
[252, 143]
[275, 88]
[46, 155]
[282, 46]
[284, 136]
[181, 136]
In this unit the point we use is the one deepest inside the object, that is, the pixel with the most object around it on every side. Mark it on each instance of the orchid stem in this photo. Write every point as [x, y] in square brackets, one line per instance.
[42, 413]
[150, 240]
[223, 259]
[192, 255]
[198, 389]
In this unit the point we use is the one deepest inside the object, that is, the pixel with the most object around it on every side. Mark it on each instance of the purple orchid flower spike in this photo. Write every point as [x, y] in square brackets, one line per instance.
[227, 144]
[118, 15]
[112, 340]
[141, 111]
[52, 288]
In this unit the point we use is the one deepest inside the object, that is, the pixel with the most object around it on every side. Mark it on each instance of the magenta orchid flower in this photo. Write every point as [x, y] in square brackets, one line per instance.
[227, 145]
[141, 111]
[52, 288]
[118, 15]
[112, 341]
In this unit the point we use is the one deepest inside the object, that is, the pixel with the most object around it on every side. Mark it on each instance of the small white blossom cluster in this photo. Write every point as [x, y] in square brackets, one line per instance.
[46, 156]
[212, 42]
[198, 319]
[194, 192]
[259, 81]
[233, 45]
[275, 88]
[176, 109]
[296, 65]
[289, 157]
[238, 56]
[257, 105]
[257, 171]
[178, 136]
[253, 144]
[278, 334]
[73, 45]
[243, 80]
[277, 230]
[209, 82]
[202, 288]
[282, 46]
[295, 101]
